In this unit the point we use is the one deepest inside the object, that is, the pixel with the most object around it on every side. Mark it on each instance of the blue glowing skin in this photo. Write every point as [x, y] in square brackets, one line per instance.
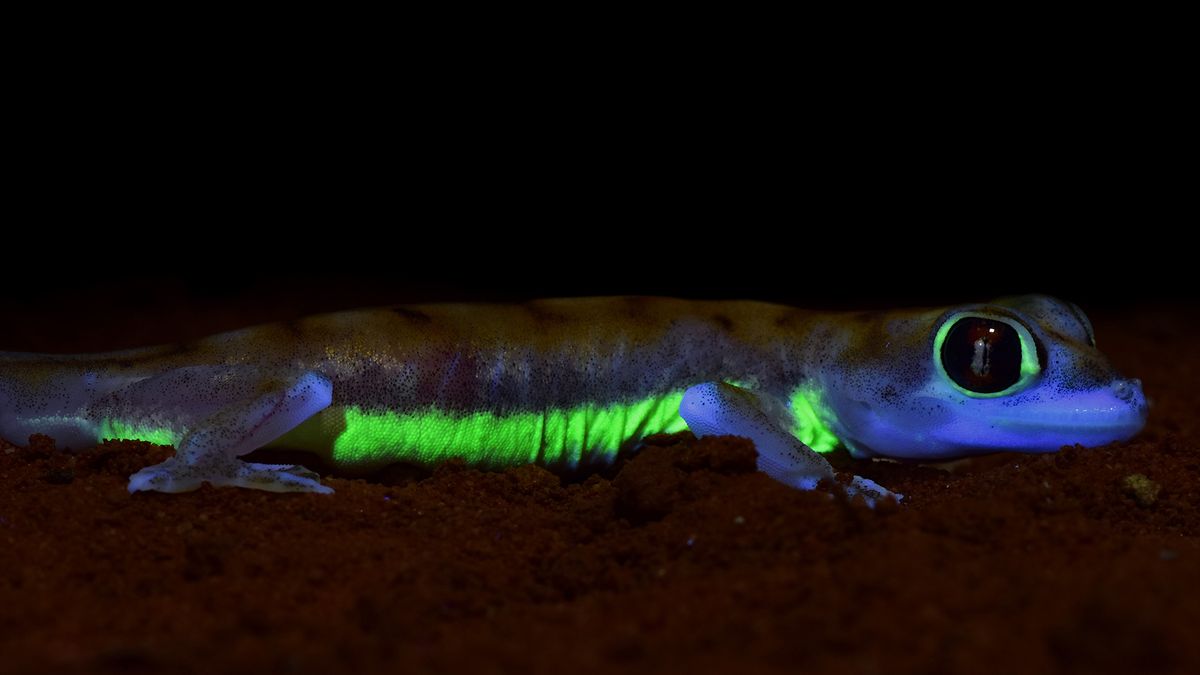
[569, 382]
[908, 407]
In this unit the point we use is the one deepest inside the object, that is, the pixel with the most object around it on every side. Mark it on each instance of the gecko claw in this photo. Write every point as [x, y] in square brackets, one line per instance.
[870, 491]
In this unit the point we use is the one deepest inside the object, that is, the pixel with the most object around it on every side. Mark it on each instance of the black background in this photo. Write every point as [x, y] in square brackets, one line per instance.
[126, 207]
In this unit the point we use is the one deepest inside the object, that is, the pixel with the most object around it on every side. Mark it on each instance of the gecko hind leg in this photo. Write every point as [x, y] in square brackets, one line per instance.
[261, 408]
[719, 408]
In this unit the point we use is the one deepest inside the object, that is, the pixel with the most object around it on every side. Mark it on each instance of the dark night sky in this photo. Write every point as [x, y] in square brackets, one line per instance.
[854, 203]
[839, 263]
[779, 247]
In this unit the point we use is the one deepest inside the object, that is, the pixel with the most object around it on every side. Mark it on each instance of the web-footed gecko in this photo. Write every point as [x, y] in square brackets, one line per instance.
[569, 383]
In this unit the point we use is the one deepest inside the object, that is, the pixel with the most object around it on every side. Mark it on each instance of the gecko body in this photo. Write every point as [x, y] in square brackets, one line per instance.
[569, 383]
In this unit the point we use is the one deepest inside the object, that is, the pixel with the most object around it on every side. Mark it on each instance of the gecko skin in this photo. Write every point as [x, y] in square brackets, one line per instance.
[569, 383]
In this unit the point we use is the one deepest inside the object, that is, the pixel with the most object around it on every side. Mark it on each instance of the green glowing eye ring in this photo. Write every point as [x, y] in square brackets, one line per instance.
[1030, 365]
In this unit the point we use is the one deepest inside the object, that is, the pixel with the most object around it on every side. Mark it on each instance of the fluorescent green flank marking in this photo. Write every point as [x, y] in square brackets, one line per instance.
[354, 438]
[119, 430]
[810, 414]
[364, 439]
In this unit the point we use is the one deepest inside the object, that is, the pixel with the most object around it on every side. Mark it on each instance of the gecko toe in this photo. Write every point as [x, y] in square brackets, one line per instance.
[168, 476]
[279, 478]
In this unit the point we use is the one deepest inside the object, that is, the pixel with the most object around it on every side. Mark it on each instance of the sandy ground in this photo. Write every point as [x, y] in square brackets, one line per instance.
[681, 560]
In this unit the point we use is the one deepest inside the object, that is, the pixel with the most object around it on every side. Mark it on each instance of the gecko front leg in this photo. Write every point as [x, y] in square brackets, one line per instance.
[719, 408]
[219, 414]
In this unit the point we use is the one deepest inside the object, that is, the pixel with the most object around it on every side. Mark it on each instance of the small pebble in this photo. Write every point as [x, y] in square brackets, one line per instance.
[1143, 490]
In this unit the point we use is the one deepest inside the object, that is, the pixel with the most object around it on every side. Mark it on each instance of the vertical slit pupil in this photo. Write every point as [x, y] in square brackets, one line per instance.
[979, 363]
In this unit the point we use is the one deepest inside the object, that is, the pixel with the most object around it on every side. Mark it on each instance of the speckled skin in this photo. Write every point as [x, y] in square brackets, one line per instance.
[466, 357]
[873, 373]
[503, 358]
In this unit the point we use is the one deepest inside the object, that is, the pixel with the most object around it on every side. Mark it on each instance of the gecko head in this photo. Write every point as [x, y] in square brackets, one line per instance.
[1019, 374]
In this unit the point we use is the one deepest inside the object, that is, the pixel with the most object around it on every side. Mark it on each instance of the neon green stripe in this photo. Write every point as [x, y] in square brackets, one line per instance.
[353, 438]
[120, 430]
[811, 415]
[358, 439]
[486, 439]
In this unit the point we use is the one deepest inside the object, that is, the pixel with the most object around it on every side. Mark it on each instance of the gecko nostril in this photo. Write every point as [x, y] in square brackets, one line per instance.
[1127, 390]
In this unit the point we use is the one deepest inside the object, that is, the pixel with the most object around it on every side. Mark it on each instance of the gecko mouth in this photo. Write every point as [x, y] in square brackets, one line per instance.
[1091, 419]
[1053, 436]
[1118, 408]
[1090, 425]
[1114, 419]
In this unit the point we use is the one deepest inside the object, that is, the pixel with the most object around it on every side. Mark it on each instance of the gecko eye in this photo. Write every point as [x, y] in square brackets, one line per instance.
[986, 356]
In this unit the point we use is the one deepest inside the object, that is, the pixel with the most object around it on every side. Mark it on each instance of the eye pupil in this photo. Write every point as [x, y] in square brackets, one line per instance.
[979, 363]
[982, 355]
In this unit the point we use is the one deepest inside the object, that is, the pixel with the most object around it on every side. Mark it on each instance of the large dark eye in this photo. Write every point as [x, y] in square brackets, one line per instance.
[982, 355]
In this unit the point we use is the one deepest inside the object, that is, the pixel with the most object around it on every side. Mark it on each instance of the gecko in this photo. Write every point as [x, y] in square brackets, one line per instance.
[570, 383]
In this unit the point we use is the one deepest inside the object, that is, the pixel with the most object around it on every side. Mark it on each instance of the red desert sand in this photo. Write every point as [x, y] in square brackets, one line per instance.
[681, 559]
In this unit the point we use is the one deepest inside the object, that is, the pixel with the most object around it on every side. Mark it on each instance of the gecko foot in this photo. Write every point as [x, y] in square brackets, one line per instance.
[279, 478]
[715, 408]
[176, 476]
[870, 491]
[168, 476]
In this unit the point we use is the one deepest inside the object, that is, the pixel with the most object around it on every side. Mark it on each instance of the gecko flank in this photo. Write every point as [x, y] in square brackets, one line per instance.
[569, 383]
